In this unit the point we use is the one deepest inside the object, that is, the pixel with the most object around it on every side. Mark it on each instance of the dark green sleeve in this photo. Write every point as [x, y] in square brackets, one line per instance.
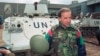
[81, 44]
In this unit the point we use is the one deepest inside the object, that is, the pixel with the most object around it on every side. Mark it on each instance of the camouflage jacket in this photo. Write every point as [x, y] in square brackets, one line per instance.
[66, 41]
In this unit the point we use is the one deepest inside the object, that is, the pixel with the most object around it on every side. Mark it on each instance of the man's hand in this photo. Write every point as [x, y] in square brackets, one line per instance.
[5, 51]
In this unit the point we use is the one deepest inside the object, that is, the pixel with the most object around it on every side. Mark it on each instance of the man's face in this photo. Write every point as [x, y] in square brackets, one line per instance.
[65, 18]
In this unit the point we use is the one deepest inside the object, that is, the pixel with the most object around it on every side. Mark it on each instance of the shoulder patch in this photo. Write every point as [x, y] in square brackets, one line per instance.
[50, 33]
[78, 33]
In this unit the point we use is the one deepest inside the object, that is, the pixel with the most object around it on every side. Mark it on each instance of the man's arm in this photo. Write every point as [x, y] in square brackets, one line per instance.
[49, 37]
[5, 51]
[81, 44]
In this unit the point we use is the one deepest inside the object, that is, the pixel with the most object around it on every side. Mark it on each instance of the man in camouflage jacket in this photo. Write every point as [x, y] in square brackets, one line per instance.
[65, 39]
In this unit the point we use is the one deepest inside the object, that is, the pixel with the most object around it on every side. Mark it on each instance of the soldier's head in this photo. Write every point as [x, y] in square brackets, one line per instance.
[65, 16]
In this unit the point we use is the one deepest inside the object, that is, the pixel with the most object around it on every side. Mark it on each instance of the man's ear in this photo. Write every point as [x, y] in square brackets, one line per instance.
[59, 18]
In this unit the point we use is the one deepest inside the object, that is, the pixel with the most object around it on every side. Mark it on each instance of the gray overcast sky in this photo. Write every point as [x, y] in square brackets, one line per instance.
[32, 1]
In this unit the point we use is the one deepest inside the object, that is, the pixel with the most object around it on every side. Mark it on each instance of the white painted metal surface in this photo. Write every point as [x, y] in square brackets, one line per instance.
[19, 37]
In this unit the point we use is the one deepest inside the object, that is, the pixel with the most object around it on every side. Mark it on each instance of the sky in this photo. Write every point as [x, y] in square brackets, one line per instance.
[32, 1]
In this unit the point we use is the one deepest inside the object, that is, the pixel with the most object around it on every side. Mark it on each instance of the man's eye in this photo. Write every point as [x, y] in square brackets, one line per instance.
[70, 17]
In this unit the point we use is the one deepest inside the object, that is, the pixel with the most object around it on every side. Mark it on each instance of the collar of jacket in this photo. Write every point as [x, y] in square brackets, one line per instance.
[64, 27]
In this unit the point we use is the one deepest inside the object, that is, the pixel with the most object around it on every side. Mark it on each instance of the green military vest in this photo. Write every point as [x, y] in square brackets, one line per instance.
[64, 40]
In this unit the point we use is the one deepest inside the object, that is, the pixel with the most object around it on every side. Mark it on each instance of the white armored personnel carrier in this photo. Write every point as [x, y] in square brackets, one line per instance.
[90, 24]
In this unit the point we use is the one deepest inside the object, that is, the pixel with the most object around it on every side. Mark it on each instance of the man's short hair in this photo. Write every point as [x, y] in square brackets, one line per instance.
[63, 10]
